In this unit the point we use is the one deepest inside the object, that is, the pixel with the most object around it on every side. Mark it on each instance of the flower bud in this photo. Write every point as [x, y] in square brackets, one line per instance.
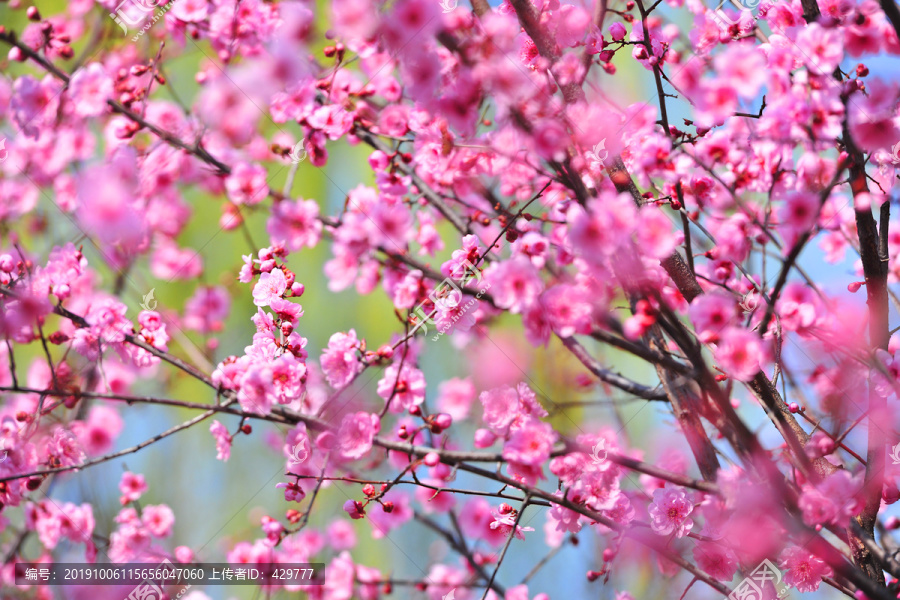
[484, 438]
[355, 509]
[183, 554]
[443, 420]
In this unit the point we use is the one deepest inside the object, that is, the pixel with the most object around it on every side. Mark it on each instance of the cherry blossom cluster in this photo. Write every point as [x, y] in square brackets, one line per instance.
[704, 190]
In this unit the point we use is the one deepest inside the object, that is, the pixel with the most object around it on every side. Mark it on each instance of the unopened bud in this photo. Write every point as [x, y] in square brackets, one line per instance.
[443, 420]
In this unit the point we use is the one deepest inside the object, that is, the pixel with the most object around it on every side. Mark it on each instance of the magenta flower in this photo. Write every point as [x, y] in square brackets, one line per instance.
[669, 512]
[340, 361]
[65, 448]
[223, 440]
[505, 520]
[132, 487]
[295, 224]
[718, 561]
[455, 397]
[740, 353]
[158, 519]
[356, 434]
[90, 88]
[514, 284]
[402, 387]
[530, 443]
[501, 406]
[292, 491]
[246, 184]
[271, 286]
[804, 570]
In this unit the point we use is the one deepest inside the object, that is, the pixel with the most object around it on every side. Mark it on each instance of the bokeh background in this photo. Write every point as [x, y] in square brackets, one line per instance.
[220, 503]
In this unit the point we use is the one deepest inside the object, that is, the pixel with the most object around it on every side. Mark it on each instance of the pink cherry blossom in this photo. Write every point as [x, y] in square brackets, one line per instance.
[740, 353]
[247, 184]
[514, 283]
[465, 201]
[356, 433]
[270, 287]
[455, 397]
[402, 387]
[90, 88]
[132, 487]
[505, 522]
[295, 224]
[669, 512]
[207, 309]
[171, 262]
[65, 448]
[191, 11]
[339, 361]
[158, 519]
[718, 561]
[804, 571]
[223, 440]
[341, 535]
[530, 443]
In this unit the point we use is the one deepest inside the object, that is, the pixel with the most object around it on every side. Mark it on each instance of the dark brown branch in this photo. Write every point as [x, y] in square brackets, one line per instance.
[875, 270]
[890, 10]
[608, 376]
